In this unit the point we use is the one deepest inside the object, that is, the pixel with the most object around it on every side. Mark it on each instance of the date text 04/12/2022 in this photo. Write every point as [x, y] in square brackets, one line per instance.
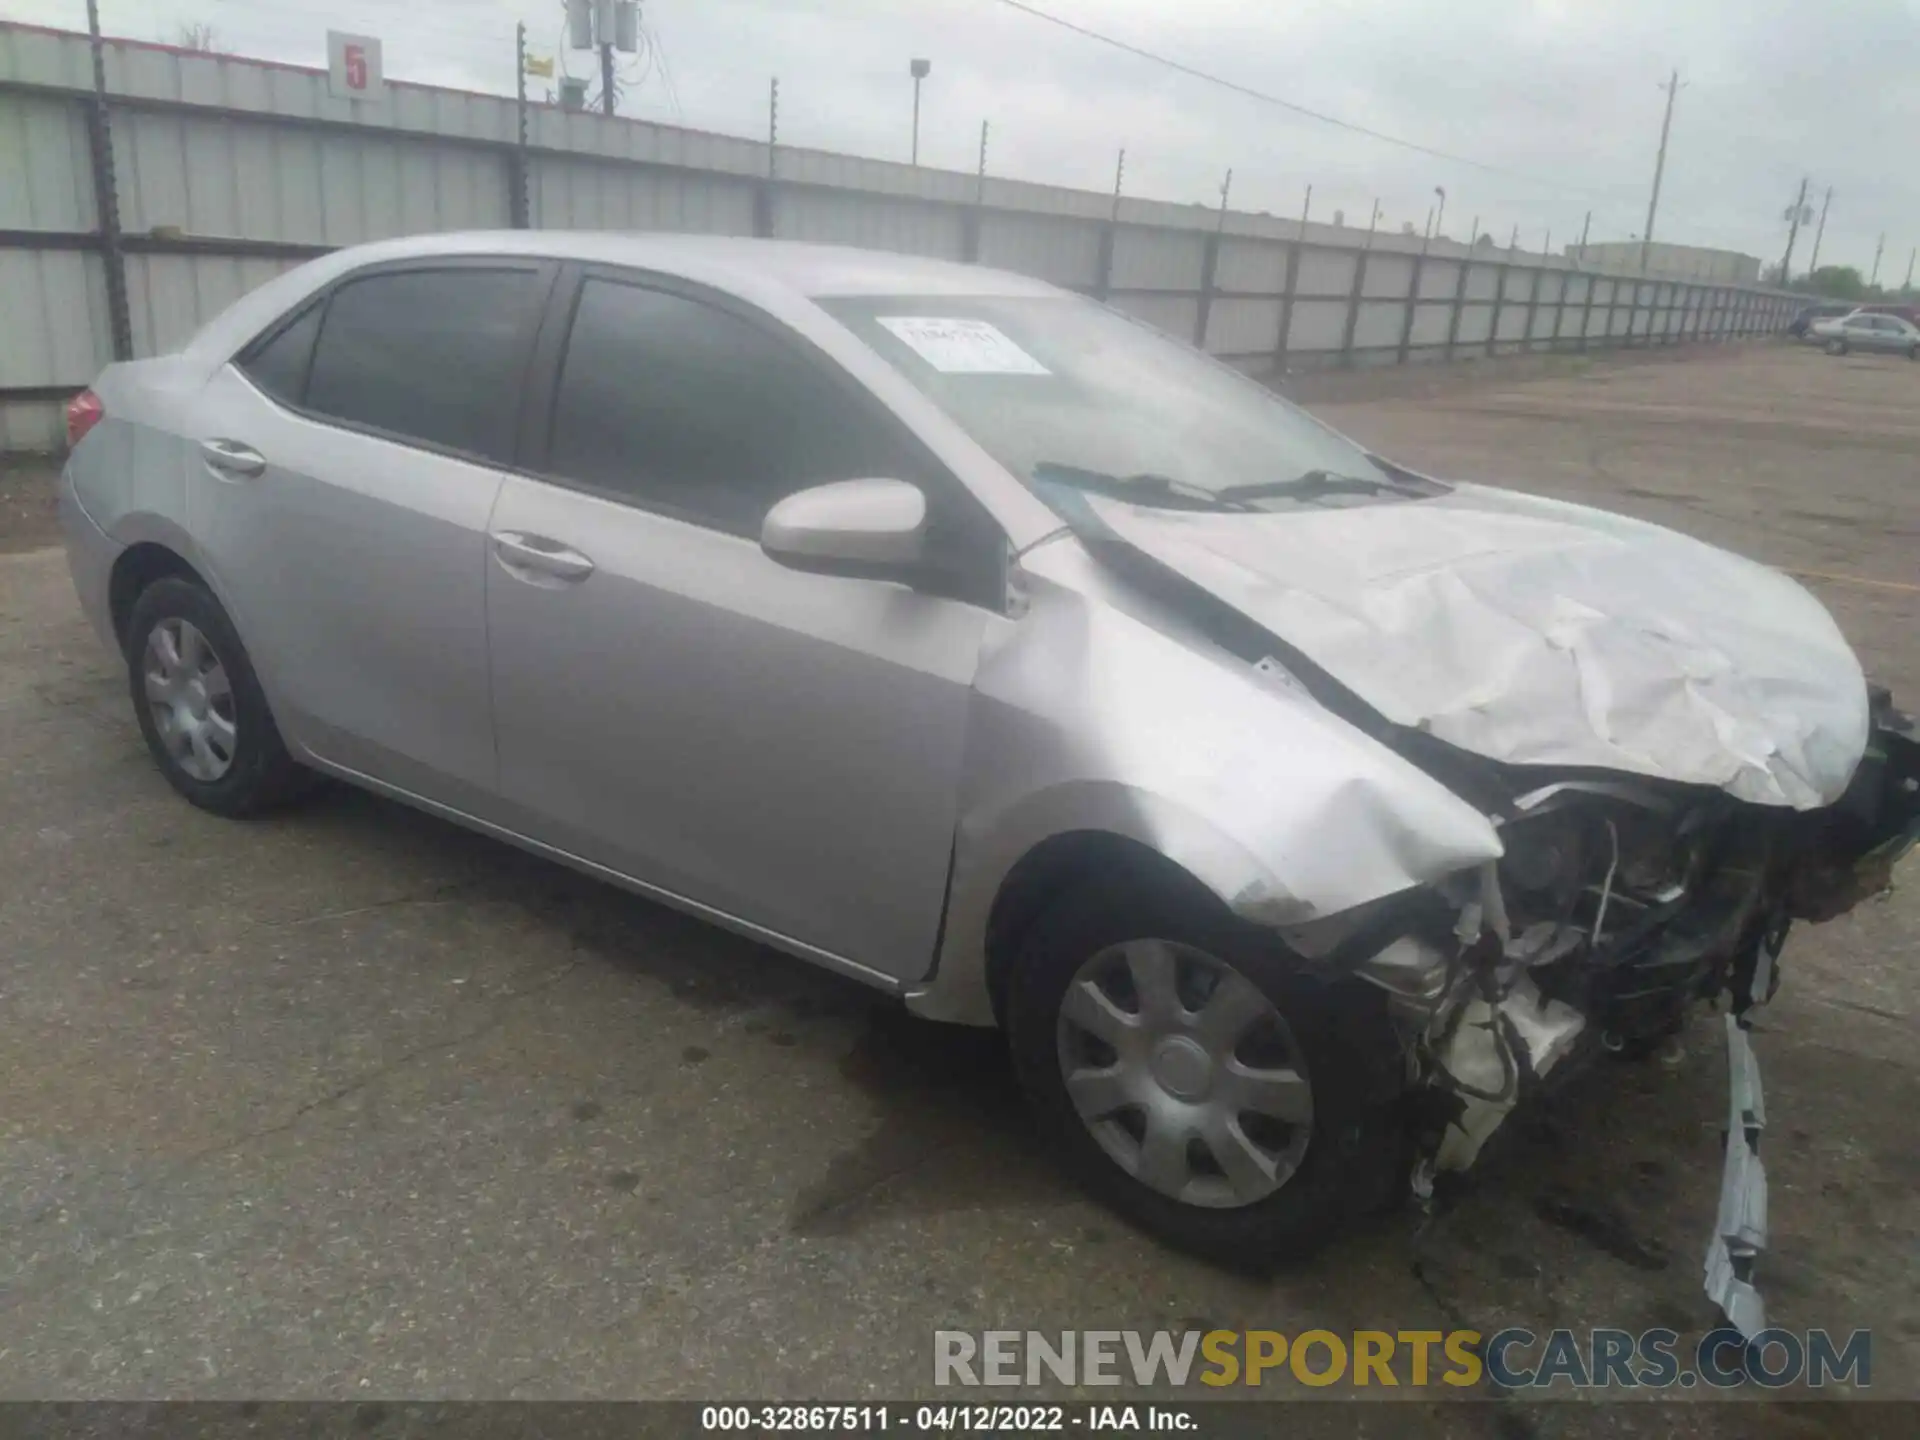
[946, 1419]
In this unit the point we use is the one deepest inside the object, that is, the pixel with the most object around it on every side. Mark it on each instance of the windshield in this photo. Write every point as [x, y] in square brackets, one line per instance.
[1064, 392]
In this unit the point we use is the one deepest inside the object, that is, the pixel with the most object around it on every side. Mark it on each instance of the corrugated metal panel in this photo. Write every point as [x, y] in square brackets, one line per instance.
[1243, 327]
[1388, 276]
[55, 304]
[171, 296]
[1430, 324]
[1259, 266]
[1482, 281]
[1317, 325]
[46, 179]
[1175, 314]
[1543, 316]
[590, 195]
[1324, 272]
[35, 426]
[1519, 283]
[1379, 323]
[1066, 252]
[905, 226]
[1438, 279]
[879, 177]
[1513, 322]
[221, 177]
[1475, 321]
[1157, 260]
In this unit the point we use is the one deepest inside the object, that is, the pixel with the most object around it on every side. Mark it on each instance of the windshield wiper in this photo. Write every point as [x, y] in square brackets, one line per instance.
[1146, 487]
[1322, 482]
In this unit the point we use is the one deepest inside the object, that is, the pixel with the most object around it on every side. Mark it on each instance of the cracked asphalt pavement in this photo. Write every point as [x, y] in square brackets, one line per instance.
[350, 1103]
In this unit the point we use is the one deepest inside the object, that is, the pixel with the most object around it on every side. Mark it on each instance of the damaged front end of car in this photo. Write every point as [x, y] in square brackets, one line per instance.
[1619, 904]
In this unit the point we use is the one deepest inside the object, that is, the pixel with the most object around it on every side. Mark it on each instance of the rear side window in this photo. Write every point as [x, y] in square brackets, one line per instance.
[278, 363]
[681, 405]
[432, 355]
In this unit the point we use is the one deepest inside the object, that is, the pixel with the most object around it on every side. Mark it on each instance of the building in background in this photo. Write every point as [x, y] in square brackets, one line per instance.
[1669, 262]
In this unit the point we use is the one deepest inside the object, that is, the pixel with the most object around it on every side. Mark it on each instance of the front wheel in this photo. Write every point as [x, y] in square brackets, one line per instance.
[1836, 347]
[200, 706]
[1195, 1077]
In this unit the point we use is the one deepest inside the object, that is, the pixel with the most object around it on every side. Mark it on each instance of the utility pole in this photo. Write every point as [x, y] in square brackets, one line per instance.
[1793, 232]
[1672, 87]
[1226, 188]
[1819, 234]
[1907, 284]
[1585, 226]
[1306, 209]
[1874, 279]
[980, 175]
[1119, 176]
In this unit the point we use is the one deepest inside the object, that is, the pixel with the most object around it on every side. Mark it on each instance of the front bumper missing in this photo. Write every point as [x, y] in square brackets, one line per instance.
[1740, 1232]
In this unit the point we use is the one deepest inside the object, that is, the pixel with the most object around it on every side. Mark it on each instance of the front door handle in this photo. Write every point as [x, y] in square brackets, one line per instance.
[536, 553]
[232, 458]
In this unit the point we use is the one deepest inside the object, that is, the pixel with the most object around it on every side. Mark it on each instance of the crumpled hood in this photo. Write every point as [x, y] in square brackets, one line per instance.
[1537, 632]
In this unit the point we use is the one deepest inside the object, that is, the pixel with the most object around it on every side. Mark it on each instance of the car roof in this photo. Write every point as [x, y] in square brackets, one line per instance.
[732, 262]
[779, 275]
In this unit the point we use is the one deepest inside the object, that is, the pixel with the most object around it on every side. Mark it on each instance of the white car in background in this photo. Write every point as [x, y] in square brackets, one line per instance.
[1867, 330]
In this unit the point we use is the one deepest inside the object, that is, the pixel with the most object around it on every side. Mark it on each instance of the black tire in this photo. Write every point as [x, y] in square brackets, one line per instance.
[1913, 352]
[1836, 347]
[261, 775]
[1358, 1149]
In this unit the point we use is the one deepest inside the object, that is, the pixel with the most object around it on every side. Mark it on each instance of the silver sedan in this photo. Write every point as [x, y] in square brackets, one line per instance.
[1293, 812]
[1865, 330]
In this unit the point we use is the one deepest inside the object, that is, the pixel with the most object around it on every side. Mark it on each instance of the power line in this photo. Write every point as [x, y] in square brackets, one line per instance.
[1265, 98]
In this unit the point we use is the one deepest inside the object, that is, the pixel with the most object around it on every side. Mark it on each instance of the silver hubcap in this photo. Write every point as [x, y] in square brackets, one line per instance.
[1185, 1073]
[191, 699]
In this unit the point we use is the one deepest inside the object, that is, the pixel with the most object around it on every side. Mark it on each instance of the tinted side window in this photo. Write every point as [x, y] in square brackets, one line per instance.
[278, 363]
[431, 354]
[689, 408]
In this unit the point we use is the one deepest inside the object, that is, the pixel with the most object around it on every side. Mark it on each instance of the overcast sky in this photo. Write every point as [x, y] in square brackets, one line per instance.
[1560, 96]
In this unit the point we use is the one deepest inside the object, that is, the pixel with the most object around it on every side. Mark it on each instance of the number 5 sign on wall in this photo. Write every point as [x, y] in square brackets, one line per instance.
[353, 67]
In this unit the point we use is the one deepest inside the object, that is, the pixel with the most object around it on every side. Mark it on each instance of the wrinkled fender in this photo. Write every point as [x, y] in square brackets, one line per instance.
[1096, 713]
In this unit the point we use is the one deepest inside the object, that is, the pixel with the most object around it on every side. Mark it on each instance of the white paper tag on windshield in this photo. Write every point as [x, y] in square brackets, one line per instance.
[962, 347]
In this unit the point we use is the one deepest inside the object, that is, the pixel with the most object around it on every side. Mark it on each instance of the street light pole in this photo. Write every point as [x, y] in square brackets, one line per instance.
[919, 70]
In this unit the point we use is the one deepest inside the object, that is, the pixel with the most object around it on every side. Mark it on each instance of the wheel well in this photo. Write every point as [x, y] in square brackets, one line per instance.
[1049, 870]
[137, 568]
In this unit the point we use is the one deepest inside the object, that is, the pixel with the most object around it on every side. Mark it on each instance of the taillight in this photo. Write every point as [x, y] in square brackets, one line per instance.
[84, 411]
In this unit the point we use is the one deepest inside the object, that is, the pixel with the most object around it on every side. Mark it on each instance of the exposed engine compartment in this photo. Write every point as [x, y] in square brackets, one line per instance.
[1619, 904]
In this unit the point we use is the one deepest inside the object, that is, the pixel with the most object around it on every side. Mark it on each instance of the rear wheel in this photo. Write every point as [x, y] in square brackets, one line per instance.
[200, 706]
[1195, 1077]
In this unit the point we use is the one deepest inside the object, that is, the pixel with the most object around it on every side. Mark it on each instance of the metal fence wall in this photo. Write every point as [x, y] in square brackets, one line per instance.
[126, 223]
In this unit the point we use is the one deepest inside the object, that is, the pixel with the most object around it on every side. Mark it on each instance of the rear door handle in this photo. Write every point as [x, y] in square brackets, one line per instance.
[233, 458]
[536, 553]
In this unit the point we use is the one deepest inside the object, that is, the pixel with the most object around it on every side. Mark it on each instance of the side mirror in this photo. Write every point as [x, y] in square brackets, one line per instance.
[867, 529]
